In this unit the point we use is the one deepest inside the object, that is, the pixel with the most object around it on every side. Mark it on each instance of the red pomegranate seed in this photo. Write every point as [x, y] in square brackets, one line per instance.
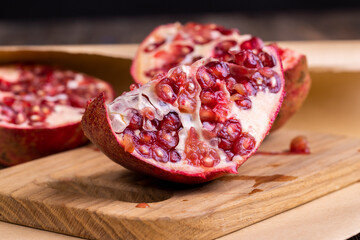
[136, 120]
[159, 154]
[174, 156]
[244, 144]
[186, 103]
[299, 144]
[244, 103]
[274, 83]
[171, 122]
[154, 46]
[129, 145]
[218, 69]
[147, 137]
[142, 205]
[208, 98]
[9, 101]
[252, 43]
[207, 114]
[267, 59]
[134, 86]
[167, 139]
[230, 130]
[205, 78]
[165, 91]
[144, 150]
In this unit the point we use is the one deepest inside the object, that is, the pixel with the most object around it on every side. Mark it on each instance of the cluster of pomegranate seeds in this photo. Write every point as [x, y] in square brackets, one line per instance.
[33, 96]
[217, 80]
[198, 34]
[152, 138]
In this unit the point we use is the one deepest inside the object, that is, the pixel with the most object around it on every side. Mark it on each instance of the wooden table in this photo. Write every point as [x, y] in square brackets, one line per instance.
[332, 107]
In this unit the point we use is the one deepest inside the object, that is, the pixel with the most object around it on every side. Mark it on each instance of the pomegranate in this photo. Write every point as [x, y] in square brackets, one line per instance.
[40, 110]
[196, 122]
[174, 44]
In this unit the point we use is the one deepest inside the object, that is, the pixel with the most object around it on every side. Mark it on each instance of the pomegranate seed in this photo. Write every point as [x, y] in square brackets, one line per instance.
[183, 50]
[241, 89]
[165, 92]
[9, 101]
[136, 120]
[171, 122]
[274, 83]
[230, 83]
[20, 118]
[231, 130]
[144, 150]
[244, 144]
[266, 72]
[148, 113]
[267, 59]
[218, 69]
[205, 78]
[257, 78]
[208, 98]
[225, 144]
[167, 139]
[207, 114]
[299, 144]
[186, 104]
[159, 154]
[244, 103]
[155, 71]
[153, 46]
[150, 125]
[134, 86]
[174, 156]
[147, 137]
[252, 43]
[222, 48]
[224, 31]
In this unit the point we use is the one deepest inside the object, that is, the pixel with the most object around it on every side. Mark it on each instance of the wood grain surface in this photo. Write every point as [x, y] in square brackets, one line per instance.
[82, 193]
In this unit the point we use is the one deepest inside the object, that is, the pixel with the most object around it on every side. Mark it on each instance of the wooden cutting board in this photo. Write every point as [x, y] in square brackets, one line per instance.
[82, 193]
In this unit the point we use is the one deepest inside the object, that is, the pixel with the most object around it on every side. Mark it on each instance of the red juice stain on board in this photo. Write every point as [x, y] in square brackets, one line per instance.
[142, 205]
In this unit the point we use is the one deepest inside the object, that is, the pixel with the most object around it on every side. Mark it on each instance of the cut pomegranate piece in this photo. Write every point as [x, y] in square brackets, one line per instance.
[210, 40]
[41, 108]
[210, 137]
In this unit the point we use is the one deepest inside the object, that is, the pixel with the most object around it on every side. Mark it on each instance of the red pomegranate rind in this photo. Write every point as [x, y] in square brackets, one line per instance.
[41, 108]
[22, 145]
[160, 59]
[167, 130]
[297, 84]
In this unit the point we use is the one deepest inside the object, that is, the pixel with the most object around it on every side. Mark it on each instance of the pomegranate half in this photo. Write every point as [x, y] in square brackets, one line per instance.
[174, 44]
[196, 122]
[41, 108]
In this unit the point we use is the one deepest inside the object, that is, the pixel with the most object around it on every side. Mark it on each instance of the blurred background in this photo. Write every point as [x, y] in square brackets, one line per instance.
[41, 22]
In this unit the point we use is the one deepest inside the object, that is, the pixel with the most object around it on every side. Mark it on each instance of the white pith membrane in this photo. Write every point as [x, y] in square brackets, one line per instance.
[61, 114]
[147, 61]
[255, 121]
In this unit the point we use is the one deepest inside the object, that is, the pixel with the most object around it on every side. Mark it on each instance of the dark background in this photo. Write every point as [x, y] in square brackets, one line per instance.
[109, 21]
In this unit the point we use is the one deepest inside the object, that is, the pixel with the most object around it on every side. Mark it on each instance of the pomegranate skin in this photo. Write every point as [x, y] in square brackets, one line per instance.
[297, 87]
[96, 126]
[21, 145]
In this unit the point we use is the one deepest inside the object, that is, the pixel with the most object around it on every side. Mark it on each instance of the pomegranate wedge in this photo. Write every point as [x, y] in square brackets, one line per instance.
[175, 44]
[41, 109]
[196, 122]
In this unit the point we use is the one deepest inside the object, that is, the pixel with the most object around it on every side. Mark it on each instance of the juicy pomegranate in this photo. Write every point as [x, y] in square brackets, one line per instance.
[174, 44]
[40, 110]
[192, 124]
